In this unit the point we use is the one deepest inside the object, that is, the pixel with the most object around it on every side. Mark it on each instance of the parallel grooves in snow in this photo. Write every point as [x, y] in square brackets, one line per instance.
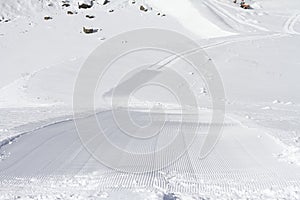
[212, 4]
[240, 160]
[290, 24]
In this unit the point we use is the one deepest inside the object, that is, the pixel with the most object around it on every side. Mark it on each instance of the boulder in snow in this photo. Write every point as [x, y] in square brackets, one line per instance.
[105, 2]
[143, 8]
[89, 30]
[47, 18]
[85, 5]
[71, 12]
[90, 16]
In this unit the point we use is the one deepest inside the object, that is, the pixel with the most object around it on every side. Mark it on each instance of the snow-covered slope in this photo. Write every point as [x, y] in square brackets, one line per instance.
[190, 17]
[255, 52]
[18, 8]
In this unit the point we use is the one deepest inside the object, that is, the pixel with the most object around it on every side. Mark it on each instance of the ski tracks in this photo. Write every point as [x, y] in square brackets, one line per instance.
[290, 24]
[213, 5]
[243, 38]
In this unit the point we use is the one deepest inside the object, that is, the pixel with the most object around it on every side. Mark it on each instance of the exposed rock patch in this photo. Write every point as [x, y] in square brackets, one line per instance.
[89, 30]
[90, 16]
[143, 8]
[85, 5]
[105, 2]
[47, 18]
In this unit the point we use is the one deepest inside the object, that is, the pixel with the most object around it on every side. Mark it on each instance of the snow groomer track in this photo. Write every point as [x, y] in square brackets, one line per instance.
[243, 159]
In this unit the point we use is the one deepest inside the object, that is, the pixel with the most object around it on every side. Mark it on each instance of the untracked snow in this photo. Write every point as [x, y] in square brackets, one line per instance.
[191, 18]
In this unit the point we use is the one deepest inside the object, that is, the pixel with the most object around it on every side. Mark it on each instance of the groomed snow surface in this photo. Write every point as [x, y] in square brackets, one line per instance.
[255, 52]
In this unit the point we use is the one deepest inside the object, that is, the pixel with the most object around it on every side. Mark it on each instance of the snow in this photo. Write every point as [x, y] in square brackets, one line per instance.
[15, 9]
[255, 52]
[190, 17]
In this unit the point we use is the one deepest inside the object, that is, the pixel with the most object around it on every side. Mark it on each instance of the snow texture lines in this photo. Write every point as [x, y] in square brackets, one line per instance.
[290, 24]
[213, 5]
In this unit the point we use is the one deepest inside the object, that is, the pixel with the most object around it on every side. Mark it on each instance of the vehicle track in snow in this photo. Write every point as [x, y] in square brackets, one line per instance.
[290, 24]
[243, 38]
[240, 160]
[216, 6]
[221, 42]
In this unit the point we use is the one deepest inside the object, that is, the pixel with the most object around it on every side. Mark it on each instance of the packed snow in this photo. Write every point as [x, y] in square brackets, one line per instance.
[43, 45]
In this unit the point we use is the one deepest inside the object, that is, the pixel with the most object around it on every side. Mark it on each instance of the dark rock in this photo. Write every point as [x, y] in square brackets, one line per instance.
[5, 20]
[65, 5]
[89, 30]
[111, 10]
[245, 6]
[90, 16]
[47, 18]
[142, 8]
[85, 6]
[106, 2]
